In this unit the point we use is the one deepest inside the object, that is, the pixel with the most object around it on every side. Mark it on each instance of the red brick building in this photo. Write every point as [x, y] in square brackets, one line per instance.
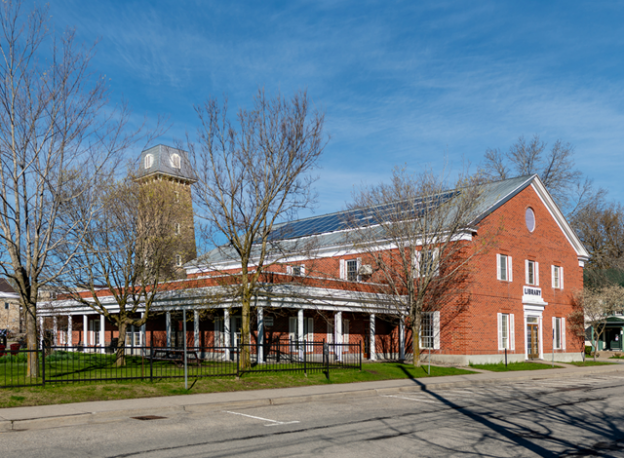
[520, 293]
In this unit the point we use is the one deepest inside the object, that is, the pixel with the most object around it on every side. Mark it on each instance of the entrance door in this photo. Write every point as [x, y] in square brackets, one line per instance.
[532, 340]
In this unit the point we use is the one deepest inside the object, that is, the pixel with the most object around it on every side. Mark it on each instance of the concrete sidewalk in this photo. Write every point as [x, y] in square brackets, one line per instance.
[60, 415]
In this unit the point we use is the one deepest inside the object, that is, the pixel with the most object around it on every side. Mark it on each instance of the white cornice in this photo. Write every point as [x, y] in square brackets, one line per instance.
[549, 203]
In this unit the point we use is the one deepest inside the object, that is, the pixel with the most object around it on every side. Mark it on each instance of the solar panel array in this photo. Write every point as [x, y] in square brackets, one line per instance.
[360, 217]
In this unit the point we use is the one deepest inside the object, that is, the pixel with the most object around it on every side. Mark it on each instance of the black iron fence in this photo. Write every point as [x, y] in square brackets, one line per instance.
[313, 357]
[66, 364]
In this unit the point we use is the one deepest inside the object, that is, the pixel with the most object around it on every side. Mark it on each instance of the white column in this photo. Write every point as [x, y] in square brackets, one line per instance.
[373, 355]
[85, 331]
[40, 332]
[226, 332]
[401, 339]
[55, 339]
[168, 328]
[260, 312]
[338, 334]
[196, 328]
[70, 336]
[300, 332]
[102, 327]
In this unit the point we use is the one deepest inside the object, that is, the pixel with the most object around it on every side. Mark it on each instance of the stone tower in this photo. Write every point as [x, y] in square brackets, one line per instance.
[164, 163]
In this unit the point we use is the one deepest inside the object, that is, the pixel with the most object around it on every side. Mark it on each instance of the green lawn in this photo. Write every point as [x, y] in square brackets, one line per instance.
[521, 366]
[62, 393]
[589, 362]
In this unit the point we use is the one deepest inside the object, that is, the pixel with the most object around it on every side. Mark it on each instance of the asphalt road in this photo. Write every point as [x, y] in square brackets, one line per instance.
[555, 417]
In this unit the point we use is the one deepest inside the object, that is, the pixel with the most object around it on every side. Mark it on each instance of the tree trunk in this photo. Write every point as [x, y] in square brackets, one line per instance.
[120, 359]
[595, 343]
[416, 341]
[245, 354]
[32, 367]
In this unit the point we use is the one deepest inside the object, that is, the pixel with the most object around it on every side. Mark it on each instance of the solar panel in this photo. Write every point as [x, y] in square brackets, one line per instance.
[358, 217]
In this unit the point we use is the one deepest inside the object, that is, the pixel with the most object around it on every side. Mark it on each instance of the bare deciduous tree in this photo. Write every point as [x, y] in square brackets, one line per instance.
[413, 232]
[128, 248]
[554, 166]
[252, 174]
[52, 124]
[600, 226]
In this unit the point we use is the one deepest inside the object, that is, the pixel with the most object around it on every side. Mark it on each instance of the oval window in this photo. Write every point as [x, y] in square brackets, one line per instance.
[530, 219]
[175, 161]
[149, 160]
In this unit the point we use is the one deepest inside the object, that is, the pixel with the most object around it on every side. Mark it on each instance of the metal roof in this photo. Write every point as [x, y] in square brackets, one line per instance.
[331, 230]
[163, 161]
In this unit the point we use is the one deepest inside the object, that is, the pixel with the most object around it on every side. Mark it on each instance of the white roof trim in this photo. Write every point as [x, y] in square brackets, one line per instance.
[557, 215]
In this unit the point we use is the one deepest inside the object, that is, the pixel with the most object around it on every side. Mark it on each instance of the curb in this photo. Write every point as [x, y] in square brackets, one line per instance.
[82, 418]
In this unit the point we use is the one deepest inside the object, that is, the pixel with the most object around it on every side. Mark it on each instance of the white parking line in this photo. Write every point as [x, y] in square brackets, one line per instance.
[273, 422]
[409, 399]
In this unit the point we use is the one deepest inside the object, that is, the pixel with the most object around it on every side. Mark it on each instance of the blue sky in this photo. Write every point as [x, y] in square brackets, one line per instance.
[415, 83]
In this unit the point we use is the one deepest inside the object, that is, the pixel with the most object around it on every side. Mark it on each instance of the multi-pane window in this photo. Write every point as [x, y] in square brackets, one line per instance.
[557, 332]
[430, 331]
[177, 228]
[352, 270]
[149, 160]
[297, 271]
[178, 260]
[503, 267]
[505, 330]
[532, 273]
[557, 277]
[426, 262]
[426, 330]
[175, 161]
[133, 338]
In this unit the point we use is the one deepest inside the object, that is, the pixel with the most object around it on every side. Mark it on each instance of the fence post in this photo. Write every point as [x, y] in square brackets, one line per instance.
[360, 356]
[237, 350]
[305, 369]
[326, 357]
[152, 357]
[42, 365]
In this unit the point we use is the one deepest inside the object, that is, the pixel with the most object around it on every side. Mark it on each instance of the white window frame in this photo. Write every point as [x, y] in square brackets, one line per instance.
[177, 228]
[344, 271]
[435, 253]
[178, 260]
[558, 327]
[508, 270]
[557, 281]
[527, 268]
[290, 270]
[506, 321]
[435, 329]
[133, 336]
[175, 161]
[148, 161]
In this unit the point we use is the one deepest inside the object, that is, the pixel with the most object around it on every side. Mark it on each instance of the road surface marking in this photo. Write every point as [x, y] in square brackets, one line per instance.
[273, 422]
[409, 399]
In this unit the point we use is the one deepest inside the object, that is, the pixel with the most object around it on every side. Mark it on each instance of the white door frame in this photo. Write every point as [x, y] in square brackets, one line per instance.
[533, 311]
